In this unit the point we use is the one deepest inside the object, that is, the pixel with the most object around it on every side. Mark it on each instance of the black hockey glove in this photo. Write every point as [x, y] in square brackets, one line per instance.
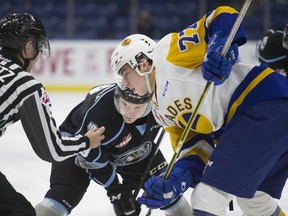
[120, 196]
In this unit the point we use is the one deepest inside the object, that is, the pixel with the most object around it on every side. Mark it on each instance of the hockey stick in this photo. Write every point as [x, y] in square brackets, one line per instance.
[157, 142]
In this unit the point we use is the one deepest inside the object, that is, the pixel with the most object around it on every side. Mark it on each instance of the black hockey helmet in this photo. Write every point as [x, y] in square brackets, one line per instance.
[131, 97]
[17, 28]
[143, 103]
[270, 50]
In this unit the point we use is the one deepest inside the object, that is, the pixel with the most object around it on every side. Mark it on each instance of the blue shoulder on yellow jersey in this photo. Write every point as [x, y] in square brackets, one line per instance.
[261, 84]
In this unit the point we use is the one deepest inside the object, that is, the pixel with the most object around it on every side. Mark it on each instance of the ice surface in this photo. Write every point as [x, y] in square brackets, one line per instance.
[30, 175]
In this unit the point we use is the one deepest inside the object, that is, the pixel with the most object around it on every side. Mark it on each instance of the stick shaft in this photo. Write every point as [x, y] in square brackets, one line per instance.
[235, 27]
[186, 131]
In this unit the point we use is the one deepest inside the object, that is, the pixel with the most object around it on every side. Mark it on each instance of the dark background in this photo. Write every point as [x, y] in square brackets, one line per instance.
[115, 19]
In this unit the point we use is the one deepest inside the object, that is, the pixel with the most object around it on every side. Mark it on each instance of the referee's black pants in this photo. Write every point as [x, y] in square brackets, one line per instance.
[13, 203]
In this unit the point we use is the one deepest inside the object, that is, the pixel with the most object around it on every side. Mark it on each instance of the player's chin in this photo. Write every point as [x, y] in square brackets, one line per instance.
[129, 120]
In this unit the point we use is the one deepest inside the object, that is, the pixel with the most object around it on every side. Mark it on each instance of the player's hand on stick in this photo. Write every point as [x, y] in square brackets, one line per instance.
[216, 67]
[159, 192]
[95, 136]
[120, 196]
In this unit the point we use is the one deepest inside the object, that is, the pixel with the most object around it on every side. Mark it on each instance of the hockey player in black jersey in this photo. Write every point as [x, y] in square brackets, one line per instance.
[22, 40]
[130, 137]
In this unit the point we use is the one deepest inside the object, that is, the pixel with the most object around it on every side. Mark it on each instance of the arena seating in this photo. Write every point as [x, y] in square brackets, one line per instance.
[111, 19]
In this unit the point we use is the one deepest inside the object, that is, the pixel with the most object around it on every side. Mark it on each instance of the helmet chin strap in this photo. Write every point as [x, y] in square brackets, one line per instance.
[148, 84]
[146, 76]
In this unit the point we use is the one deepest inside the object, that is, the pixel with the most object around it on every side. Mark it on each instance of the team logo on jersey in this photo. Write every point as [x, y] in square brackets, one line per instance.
[179, 113]
[44, 99]
[200, 124]
[91, 125]
[125, 141]
[126, 42]
[135, 155]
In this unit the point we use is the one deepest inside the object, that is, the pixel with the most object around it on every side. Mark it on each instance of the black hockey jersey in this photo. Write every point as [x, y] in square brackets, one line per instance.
[22, 97]
[126, 147]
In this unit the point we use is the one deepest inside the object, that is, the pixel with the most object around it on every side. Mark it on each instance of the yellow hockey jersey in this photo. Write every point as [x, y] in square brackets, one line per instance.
[179, 83]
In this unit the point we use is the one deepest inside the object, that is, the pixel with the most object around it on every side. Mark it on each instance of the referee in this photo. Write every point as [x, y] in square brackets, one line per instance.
[22, 40]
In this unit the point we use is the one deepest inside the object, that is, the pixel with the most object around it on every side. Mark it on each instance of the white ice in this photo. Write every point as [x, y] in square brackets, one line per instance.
[30, 175]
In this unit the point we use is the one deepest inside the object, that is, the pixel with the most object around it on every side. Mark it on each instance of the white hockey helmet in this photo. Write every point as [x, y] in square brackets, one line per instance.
[130, 51]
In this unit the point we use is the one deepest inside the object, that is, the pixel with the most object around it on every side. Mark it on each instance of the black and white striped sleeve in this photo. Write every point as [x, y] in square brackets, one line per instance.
[42, 132]
[23, 97]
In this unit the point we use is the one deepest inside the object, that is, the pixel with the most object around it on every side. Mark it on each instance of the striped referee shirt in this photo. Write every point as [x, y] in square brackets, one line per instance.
[22, 97]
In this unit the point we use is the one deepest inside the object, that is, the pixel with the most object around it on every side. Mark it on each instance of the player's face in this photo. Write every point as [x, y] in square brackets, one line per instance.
[132, 80]
[130, 111]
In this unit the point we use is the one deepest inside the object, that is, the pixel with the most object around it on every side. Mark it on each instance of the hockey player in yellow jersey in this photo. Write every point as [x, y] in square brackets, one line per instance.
[245, 111]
